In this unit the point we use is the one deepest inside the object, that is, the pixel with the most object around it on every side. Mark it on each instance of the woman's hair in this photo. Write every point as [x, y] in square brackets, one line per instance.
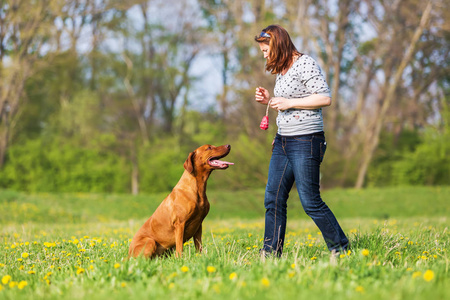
[282, 50]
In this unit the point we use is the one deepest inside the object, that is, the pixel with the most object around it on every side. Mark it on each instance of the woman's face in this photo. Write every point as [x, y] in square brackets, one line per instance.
[265, 49]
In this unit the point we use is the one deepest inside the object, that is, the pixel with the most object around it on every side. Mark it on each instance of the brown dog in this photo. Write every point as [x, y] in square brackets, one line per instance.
[179, 217]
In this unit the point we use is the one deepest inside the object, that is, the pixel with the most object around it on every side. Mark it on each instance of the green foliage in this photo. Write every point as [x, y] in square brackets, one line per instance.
[161, 166]
[36, 166]
[251, 158]
[400, 259]
[424, 161]
[429, 164]
[368, 46]
[374, 203]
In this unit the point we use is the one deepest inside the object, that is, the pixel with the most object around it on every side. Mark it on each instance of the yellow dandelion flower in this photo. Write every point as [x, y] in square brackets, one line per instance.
[359, 289]
[171, 285]
[265, 282]
[31, 272]
[233, 276]
[342, 255]
[365, 252]
[293, 266]
[20, 259]
[6, 279]
[91, 267]
[291, 274]
[80, 271]
[1, 287]
[313, 258]
[21, 267]
[416, 274]
[22, 284]
[428, 275]
[211, 269]
[123, 284]
[25, 255]
[116, 266]
[12, 284]
[2, 265]
[184, 269]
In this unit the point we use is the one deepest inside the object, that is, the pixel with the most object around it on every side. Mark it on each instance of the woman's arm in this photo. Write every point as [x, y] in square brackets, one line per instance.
[311, 102]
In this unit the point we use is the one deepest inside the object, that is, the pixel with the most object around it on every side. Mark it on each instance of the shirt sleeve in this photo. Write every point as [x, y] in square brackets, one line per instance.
[312, 77]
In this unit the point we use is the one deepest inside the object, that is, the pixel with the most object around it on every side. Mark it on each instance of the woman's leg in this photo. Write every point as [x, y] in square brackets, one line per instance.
[308, 153]
[279, 183]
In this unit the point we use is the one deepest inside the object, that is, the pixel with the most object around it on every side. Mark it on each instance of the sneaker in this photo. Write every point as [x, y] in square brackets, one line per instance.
[333, 257]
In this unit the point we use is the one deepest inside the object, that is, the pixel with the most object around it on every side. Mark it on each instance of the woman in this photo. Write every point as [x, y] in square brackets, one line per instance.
[299, 146]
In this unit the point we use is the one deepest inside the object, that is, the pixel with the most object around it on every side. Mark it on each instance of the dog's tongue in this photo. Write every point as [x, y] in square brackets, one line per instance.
[217, 162]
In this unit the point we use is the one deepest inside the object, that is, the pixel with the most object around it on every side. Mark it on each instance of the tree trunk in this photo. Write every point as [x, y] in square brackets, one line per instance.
[134, 101]
[372, 143]
[134, 171]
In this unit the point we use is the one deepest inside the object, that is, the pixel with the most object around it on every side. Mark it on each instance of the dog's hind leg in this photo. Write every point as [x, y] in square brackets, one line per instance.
[146, 247]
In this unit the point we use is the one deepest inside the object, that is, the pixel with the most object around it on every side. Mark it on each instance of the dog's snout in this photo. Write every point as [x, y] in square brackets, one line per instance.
[228, 146]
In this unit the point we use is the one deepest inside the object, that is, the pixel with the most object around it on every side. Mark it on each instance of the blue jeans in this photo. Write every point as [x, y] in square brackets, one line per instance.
[298, 159]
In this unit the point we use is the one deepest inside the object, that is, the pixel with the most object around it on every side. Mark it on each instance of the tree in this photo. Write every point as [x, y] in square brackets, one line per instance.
[388, 93]
[25, 28]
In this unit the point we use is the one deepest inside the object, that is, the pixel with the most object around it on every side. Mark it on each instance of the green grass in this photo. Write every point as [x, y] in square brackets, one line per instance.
[73, 247]
[383, 203]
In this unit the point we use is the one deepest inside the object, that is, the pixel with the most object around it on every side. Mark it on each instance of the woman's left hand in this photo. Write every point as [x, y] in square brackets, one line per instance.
[280, 103]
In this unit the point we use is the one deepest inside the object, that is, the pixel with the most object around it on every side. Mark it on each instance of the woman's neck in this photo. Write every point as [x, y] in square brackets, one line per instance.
[294, 59]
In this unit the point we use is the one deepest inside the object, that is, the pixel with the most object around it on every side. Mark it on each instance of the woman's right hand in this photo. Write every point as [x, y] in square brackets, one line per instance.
[262, 95]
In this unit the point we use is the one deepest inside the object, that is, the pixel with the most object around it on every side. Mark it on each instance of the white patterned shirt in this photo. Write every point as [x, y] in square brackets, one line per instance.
[303, 79]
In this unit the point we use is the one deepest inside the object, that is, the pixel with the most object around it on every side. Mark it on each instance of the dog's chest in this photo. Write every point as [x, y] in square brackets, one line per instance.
[195, 219]
[199, 213]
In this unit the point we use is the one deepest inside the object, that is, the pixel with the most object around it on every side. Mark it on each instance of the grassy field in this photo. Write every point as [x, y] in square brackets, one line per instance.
[73, 247]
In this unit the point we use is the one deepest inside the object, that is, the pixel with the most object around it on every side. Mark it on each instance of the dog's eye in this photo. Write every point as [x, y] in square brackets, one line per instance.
[209, 148]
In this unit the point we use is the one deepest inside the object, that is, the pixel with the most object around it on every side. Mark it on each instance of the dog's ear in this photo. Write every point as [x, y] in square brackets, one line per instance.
[189, 163]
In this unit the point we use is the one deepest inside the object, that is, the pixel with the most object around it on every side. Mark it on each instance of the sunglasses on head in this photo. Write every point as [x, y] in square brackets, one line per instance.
[264, 34]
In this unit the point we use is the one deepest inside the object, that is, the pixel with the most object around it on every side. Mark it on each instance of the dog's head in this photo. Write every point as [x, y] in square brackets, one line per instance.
[207, 157]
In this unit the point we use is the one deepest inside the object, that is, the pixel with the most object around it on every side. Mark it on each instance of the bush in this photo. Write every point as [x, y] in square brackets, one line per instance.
[425, 162]
[35, 166]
